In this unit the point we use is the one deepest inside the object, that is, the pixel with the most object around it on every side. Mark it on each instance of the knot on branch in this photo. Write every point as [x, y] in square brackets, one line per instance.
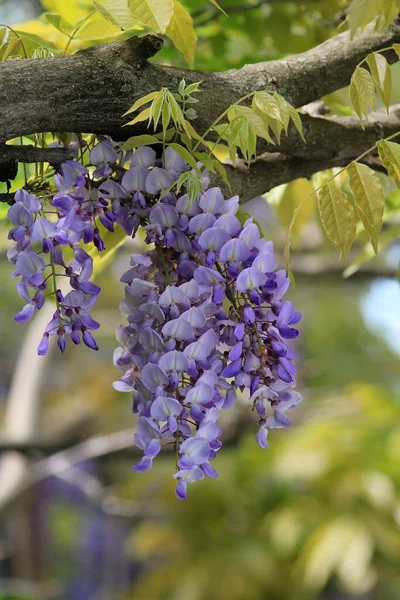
[144, 47]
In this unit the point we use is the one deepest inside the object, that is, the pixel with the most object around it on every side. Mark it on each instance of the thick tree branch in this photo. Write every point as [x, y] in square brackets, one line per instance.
[89, 91]
[270, 170]
[336, 137]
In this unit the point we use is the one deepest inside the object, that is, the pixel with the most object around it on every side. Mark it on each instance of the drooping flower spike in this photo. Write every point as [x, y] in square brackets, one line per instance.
[205, 312]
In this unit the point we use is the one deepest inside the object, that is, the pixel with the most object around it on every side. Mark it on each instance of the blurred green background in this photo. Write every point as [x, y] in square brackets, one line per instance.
[317, 515]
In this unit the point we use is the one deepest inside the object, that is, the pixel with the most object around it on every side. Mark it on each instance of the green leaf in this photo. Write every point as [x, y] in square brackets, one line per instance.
[389, 153]
[207, 160]
[215, 3]
[139, 140]
[369, 199]
[141, 101]
[219, 167]
[382, 75]
[155, 14]
[337, 217]
[362, 91]
[185, 154]
[117, 12]
[59, 23]
[181, 32]
[396, 48]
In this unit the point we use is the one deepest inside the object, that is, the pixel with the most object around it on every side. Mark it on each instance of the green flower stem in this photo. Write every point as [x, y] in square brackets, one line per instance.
[164, 264]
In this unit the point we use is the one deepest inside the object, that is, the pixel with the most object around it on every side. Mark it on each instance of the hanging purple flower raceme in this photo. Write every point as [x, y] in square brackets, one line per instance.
[206, 318]
[205, 311]
[44, 228]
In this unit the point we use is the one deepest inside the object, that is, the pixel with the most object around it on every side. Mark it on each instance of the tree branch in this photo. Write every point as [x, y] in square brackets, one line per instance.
[31, 154]
[89, 91]
[336, 137]
[333, 142]
[270, 170]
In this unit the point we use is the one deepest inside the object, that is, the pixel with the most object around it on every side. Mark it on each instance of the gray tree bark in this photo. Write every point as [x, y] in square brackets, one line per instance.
[89, 91]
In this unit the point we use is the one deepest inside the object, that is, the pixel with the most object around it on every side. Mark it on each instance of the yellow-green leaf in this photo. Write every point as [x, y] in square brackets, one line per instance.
[283, 110]
[185, 154]
[30, 42]
[181, 32]
[9, 48]
[155, 14]
[156, 108]
[244, 112]
[390, 157]
[141, 101]
[362, 12]
[117, 12]
[242, 135]
[142, 116]
[139, 140]
[337, 217]
[176, 111]
[369, 199]
[396, 48]
[382, 75]
[362, 91]
[191, 132]
[59, 23]
[97, 27]
[296, 119]
[165, 116]
[266, 104]
[289, 199]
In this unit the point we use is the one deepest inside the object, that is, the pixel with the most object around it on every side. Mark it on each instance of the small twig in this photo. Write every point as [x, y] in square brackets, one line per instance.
[212, 13]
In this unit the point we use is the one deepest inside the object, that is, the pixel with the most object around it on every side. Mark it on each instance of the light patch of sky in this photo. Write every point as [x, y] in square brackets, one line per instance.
[16, 12]
[380, 307]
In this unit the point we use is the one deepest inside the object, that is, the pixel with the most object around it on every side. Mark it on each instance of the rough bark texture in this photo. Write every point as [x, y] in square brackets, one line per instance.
[89, 91]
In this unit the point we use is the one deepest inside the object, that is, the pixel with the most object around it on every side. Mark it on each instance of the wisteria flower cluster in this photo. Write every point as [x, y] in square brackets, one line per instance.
[205, 312]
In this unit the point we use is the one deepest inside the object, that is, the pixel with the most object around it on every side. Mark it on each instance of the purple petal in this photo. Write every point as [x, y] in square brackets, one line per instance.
[213, 239]
[157, 180]
[164, 407]
[249, 279]
[25, 314]
[134, 180]
[232, 369]
[197, 449]
[234, 250]
[174, 361]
